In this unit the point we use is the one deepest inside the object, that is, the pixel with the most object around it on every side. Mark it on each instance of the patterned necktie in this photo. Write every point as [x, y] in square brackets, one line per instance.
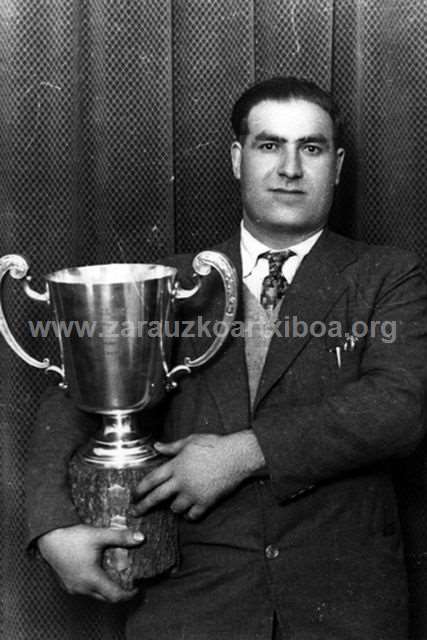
[275, 284]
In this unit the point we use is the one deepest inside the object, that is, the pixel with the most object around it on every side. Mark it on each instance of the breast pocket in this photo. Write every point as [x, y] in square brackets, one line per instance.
[344, 357]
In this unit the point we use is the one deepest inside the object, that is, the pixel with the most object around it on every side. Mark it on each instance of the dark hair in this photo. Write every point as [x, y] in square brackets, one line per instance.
[283, 88]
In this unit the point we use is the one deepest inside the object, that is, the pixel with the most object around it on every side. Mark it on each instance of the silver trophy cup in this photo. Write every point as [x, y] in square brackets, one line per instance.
[114, 325]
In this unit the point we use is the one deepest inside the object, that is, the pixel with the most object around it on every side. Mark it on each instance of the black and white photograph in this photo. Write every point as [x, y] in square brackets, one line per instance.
[213, 319]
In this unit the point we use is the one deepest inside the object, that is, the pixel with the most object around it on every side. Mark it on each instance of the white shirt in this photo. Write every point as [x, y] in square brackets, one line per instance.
[255, 270]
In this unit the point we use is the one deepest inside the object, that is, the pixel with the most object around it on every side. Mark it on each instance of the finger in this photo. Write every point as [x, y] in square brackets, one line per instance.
[164, 492]
[153, 479]
[111, 537]
[195, 512]
[104, 588]
[97, 596]
[181, 504]
[171, 448]
[122, 596]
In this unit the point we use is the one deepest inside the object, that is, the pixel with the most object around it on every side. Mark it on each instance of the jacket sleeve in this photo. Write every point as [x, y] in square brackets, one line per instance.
[59, 430]
[375, 418]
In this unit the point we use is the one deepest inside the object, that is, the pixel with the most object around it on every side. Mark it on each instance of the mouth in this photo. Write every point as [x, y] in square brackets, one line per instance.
[288, 192]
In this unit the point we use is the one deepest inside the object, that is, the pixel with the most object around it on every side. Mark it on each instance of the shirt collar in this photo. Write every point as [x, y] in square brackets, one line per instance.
[250, 248]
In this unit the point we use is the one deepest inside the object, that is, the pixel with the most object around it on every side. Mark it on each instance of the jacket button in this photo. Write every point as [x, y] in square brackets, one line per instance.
[271, 552]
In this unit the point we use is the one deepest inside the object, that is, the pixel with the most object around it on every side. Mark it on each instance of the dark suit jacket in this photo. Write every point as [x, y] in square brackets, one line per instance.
[315, 537]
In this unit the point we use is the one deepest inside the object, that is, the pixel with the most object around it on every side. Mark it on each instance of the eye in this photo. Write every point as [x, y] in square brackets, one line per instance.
[312, 149]
[268, 146]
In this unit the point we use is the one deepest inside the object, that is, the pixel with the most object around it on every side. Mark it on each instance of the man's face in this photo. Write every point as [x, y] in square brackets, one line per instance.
[288, 167]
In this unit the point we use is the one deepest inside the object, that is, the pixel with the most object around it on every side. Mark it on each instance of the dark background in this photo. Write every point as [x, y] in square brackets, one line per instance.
[114, 146]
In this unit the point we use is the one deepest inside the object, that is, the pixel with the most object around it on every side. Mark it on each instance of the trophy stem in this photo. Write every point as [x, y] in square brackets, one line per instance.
[118, 444]
[104, 475]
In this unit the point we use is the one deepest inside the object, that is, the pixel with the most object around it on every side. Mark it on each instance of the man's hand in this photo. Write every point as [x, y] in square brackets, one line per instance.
[203, 468]
[75, 554]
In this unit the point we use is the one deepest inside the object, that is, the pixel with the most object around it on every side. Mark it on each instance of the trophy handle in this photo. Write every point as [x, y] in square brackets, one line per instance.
[202, 265]
[17, 266]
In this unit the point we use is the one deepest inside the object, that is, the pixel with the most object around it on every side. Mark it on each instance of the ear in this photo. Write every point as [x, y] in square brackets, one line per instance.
[340, 162]
[236, 158]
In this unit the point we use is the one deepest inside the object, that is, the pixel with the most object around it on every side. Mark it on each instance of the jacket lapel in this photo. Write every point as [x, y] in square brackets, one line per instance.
[318, 284]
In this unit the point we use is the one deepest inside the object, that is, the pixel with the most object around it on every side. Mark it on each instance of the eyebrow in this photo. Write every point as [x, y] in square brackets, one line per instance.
[315, 137]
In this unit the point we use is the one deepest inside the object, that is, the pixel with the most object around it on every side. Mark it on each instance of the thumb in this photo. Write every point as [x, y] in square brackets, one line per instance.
[105, 589]
[170, 448]
[115, 537]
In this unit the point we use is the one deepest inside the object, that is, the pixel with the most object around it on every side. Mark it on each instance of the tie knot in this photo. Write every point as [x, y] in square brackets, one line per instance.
[276, 260]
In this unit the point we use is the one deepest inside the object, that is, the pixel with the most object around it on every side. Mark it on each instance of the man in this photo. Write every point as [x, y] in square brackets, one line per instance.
[280, 450]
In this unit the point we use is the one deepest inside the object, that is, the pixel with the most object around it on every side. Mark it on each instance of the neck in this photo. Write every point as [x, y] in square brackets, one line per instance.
[279, 239]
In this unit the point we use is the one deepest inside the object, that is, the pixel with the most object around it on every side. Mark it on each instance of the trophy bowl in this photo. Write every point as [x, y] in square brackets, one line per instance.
[112, 324]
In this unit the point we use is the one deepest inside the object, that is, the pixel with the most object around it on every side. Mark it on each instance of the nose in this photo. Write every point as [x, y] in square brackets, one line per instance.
[290, 164]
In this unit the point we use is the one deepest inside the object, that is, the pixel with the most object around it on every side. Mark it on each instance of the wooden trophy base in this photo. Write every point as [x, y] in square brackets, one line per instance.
[102, 497]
